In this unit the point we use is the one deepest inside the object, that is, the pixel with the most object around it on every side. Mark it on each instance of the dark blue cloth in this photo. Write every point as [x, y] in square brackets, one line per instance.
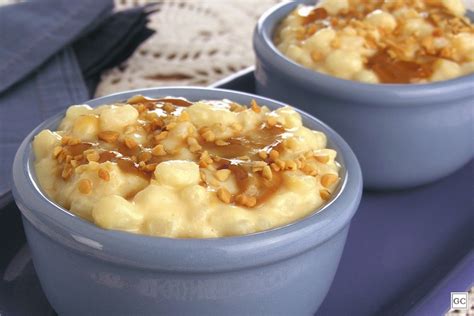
[51, 55]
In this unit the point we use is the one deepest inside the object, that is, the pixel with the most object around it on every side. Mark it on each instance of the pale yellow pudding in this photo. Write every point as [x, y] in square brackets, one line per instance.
[174, 168]
[412, 41]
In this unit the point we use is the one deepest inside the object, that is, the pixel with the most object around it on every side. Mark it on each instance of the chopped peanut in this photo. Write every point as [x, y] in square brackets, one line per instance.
[255, 107]
[103, 174]
[325, 194]
[267, 173]
[274, 154]
[322, 159]
[130, 142]
[85, 186]
[158, 150]
[108, 136]
[328, 179]
[224, 195]
[223, 174]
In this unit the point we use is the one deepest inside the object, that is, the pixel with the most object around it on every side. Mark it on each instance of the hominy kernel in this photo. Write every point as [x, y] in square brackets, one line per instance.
[223, 174]
[328, 179]
[103, 174]
[324, 194]
[158, 150]
[108, 136]
[85, 186]
[224, 195]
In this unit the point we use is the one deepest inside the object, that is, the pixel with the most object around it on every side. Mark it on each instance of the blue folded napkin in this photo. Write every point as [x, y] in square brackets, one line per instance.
[51, 55]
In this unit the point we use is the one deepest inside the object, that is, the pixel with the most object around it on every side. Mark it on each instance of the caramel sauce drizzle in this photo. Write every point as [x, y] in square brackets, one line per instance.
[238, 155]
[390, 68]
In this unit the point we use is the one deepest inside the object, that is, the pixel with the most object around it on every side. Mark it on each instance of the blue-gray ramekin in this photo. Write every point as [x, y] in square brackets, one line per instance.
[404, 135]
[86, 270]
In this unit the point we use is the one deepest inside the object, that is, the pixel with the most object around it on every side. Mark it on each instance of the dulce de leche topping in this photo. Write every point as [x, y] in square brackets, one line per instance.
[379, 41]
[113, 161]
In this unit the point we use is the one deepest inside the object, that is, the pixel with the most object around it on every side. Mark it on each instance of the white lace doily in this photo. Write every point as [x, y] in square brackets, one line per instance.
[196, 43]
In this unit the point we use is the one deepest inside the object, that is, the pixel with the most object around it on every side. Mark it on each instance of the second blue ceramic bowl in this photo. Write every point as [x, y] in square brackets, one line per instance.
[403, 135]
[86, 270]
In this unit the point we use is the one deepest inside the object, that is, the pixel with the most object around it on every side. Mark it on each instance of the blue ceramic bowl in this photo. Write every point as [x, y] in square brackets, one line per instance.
[86, 270]
[403, 135]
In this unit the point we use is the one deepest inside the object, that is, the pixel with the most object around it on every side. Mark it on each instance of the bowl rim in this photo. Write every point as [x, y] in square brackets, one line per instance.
[269, 56]
[72, 231]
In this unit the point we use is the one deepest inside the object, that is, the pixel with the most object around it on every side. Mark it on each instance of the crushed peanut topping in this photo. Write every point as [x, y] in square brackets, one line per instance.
[224, 195]
[108, 136]
[103, 174]
[223, 174]
[85, 186]
[325, 194]
[175, 168]
[255, 160]
[328, 179]
[377, 41]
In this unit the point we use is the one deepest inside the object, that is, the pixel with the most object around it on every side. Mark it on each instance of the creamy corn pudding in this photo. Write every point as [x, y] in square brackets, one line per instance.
[381, 41]
[175, 168]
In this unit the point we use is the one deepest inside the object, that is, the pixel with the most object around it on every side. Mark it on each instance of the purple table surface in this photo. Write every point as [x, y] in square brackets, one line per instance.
[455, 281]
[404, 252]
[400, 244]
